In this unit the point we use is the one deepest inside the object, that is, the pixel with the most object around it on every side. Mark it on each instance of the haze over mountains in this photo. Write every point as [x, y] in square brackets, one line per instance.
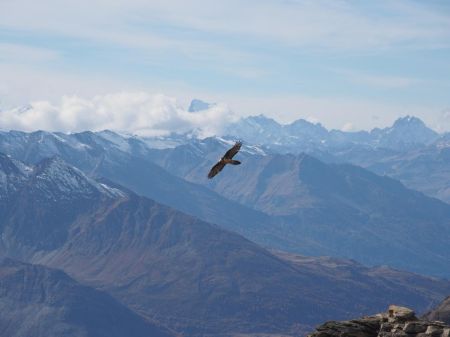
[406, 133]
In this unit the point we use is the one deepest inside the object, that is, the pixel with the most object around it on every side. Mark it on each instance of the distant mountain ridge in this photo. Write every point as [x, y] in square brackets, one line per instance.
[301, 135]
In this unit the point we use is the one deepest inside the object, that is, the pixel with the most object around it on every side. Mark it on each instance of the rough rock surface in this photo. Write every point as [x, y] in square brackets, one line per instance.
[396, 322]
[441, 313]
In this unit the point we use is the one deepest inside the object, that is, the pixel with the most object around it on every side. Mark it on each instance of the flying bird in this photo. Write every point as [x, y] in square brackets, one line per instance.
[226, 159]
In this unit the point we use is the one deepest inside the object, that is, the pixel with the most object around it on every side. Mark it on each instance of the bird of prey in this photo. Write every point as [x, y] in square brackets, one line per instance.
[226, 159]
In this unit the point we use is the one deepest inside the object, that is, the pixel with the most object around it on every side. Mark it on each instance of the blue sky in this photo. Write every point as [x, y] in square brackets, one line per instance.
[347, 64]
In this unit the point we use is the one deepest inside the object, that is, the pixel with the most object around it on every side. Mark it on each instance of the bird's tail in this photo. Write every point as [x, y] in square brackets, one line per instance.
[235, 162]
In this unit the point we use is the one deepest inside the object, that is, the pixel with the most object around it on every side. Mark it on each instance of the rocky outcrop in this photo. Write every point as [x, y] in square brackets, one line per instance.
[441, 312]
[396, 322]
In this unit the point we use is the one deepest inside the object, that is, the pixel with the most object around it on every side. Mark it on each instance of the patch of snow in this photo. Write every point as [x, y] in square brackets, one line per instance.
[225, 141]
[114, 192]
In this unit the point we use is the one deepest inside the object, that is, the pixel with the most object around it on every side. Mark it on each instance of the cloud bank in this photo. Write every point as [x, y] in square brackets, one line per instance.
[132, 112]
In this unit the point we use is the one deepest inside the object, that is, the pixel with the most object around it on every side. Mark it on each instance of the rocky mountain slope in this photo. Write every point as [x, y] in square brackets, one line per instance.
[178, 271]
[37, 301]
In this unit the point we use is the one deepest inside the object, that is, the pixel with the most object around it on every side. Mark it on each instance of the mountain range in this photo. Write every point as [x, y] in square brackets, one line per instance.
[164, 269]
[103, 233]
[300, 136]
[408, 150]
[284, 201]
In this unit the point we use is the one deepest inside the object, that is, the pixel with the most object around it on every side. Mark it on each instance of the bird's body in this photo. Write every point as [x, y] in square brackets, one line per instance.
[226, 159]
[230, 161]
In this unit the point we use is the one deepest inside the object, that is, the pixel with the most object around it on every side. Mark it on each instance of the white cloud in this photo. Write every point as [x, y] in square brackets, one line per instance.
[134, 112]
[347, 127]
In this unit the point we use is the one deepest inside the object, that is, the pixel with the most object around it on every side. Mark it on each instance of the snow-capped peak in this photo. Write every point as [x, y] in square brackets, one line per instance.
[60, 180]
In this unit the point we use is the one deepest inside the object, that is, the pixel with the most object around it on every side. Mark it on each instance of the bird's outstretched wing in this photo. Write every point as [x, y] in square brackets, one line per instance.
[216, 169]
[232, 152]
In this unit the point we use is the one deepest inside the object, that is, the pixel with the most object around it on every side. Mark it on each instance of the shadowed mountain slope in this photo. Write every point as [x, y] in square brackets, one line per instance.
[37, 301]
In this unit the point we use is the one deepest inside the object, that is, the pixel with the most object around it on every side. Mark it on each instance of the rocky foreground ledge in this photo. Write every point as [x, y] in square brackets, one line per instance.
[396, 322]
